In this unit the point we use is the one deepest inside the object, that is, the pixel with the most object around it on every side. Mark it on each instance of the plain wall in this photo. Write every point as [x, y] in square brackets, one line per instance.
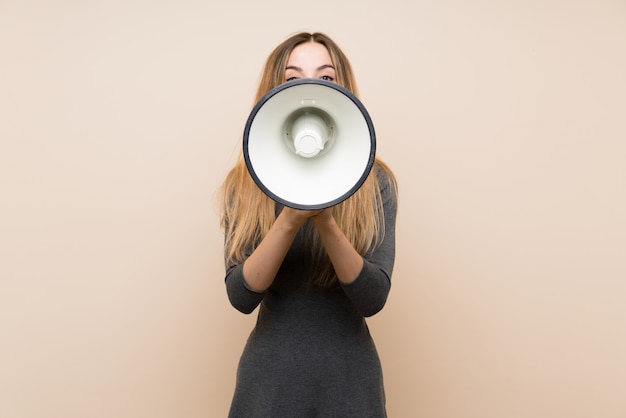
[503, 120]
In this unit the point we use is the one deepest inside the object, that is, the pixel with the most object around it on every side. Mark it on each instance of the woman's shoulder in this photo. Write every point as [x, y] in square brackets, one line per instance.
[385, 175]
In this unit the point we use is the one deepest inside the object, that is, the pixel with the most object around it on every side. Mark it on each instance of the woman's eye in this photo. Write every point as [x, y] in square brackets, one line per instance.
[327, 78]
[291, 78]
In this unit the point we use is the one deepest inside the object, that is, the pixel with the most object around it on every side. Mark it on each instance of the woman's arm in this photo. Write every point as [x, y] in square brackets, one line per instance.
[247, 282]
[370, 285]
[346, 261]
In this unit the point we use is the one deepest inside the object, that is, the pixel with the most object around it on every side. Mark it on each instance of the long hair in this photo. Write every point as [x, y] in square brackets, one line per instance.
[248, 214]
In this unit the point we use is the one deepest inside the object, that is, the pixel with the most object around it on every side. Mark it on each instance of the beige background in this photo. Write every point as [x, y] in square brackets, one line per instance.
[504, 121]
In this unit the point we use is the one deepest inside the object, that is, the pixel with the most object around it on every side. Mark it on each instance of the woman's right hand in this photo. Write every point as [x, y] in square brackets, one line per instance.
[297, 217]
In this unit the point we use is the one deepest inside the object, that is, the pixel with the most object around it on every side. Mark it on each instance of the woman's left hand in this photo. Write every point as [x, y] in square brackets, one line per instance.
[323, 216]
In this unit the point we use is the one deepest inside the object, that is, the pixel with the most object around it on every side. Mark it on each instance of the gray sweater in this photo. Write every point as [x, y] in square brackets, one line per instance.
[311, 353]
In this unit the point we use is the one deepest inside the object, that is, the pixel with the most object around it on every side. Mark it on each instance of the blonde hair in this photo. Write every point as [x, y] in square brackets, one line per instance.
[248, 214]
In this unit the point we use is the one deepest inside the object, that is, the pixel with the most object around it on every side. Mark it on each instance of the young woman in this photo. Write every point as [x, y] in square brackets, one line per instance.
[316, 275]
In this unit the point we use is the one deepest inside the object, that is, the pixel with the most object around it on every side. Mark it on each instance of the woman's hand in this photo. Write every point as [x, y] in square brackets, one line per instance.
[324, 216]
[297, 217]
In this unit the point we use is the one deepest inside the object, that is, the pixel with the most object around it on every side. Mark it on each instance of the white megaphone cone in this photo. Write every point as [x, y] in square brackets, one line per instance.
[309, 144]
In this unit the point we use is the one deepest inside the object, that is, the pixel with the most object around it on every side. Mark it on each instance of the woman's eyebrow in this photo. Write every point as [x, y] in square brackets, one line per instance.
[293, 67]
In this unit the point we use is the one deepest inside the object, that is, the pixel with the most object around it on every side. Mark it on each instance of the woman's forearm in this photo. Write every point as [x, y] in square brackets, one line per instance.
[346, 261]
[260, 268]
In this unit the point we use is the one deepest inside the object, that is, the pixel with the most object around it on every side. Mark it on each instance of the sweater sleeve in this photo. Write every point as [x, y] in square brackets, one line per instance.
[370, 289]
[239, 293]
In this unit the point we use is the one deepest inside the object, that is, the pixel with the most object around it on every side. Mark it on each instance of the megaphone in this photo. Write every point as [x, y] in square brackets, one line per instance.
[309, 144]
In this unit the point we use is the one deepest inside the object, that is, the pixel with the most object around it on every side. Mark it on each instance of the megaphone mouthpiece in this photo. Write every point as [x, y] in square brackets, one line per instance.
[310, 134]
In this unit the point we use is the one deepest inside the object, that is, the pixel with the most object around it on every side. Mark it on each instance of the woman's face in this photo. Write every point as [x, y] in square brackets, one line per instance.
[310, 60]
